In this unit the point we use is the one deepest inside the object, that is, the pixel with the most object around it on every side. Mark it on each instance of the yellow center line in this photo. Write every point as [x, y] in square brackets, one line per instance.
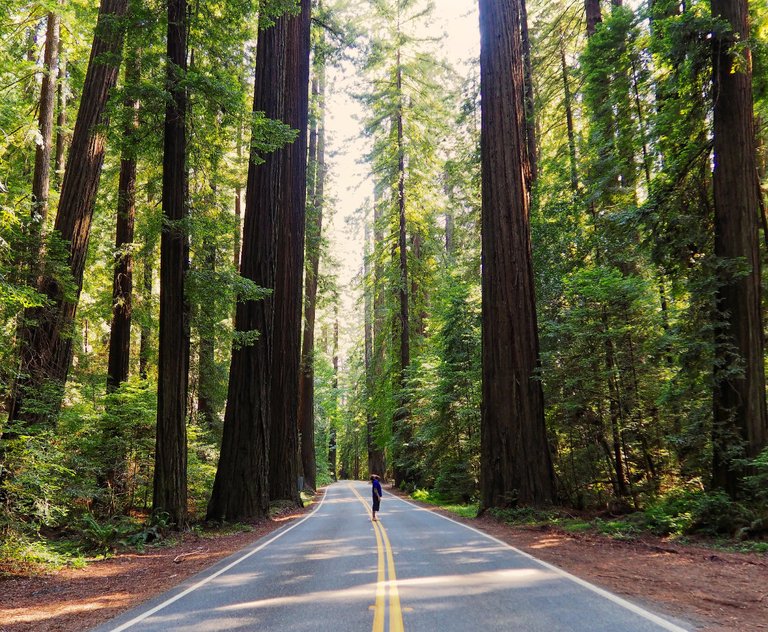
[395, 611]
[378, 613]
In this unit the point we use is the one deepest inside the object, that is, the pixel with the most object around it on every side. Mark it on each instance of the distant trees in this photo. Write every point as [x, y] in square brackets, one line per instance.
[405, 109]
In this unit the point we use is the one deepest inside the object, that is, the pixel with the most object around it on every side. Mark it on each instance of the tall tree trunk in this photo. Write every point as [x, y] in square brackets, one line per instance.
[568, 104]
[206, 363]
[377, 464]
[146, 299]
[289, 268]
[240, 489]
[515, 460]
[47, 345]
[122, 283]
[739, 400]
[530, 110]
[61, 117]
[332, 439]
[370, 426]
[614, 405]
[593, 15]
[400, 425]
[41, 177]
[450, 227]
[238, 202]
[170, 480]
[306, 410]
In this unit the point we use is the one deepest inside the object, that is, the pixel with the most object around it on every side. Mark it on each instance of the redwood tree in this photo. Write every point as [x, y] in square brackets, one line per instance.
[306, 410]
[740, 418]
[47, 344]
[42, 176]
[289, 266]
[170, 479]
[122, 284]
[515, 461]
[240, 489]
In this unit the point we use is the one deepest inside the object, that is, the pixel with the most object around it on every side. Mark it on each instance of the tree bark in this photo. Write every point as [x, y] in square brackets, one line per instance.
[515, 460]
[289, 268]
[146, 299]
[240, 489]
[568, 104]
[377, 464]
[47, 346]
[61, 117]
[594, 17]
[332, 438]
[170, 480]
[306, 410]
[530, 110]
[122, 283]
[400, 425]
[370, 426]
[206, 364]
[41, 178]
[740, 417]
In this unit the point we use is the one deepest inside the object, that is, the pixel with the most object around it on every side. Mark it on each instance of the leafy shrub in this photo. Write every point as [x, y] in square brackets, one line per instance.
[104, 536]
[522, 515]
[21, 553]
[37, 488]
[696, 511]
[455, 483]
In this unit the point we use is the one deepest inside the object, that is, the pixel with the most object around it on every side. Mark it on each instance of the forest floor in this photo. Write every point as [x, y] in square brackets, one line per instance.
[712, 589]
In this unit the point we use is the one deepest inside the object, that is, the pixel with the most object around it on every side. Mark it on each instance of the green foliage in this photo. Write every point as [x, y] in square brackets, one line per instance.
[22, 554]
[435, 498]
[38, 478]
[522, 515]
[697, 511]
[202, 458]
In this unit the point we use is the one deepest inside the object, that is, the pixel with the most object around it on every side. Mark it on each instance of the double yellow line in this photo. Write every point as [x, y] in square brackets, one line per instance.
[384, 549]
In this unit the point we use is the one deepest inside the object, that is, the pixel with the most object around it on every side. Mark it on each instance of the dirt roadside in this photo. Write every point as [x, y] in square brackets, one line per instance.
[715, 591]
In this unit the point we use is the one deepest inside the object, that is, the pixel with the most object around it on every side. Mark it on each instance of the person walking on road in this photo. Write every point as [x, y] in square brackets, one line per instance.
[376, 490]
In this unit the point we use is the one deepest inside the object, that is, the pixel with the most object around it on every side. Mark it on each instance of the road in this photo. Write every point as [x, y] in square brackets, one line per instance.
[414, 570]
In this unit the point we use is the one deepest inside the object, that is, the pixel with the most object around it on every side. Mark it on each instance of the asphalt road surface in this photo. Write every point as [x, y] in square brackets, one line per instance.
[413, 570]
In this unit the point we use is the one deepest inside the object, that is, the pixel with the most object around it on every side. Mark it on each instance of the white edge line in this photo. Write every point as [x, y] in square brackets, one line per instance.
[204, 581]
[667, 625]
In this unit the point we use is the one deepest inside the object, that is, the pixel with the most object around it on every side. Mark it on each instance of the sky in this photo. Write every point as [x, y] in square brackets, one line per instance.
[349, 181]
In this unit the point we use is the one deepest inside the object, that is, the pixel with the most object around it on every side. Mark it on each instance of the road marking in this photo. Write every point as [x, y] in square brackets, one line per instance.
[395, 614]
[204, 581]
[395, 611]
[378, 613]
[661, 622]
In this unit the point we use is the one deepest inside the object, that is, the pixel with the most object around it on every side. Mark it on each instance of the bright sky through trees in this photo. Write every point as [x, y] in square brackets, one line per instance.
[350, 181]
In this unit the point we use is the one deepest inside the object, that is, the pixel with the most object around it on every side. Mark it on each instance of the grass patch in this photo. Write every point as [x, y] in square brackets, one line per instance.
[24, 555]
[431, 498]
